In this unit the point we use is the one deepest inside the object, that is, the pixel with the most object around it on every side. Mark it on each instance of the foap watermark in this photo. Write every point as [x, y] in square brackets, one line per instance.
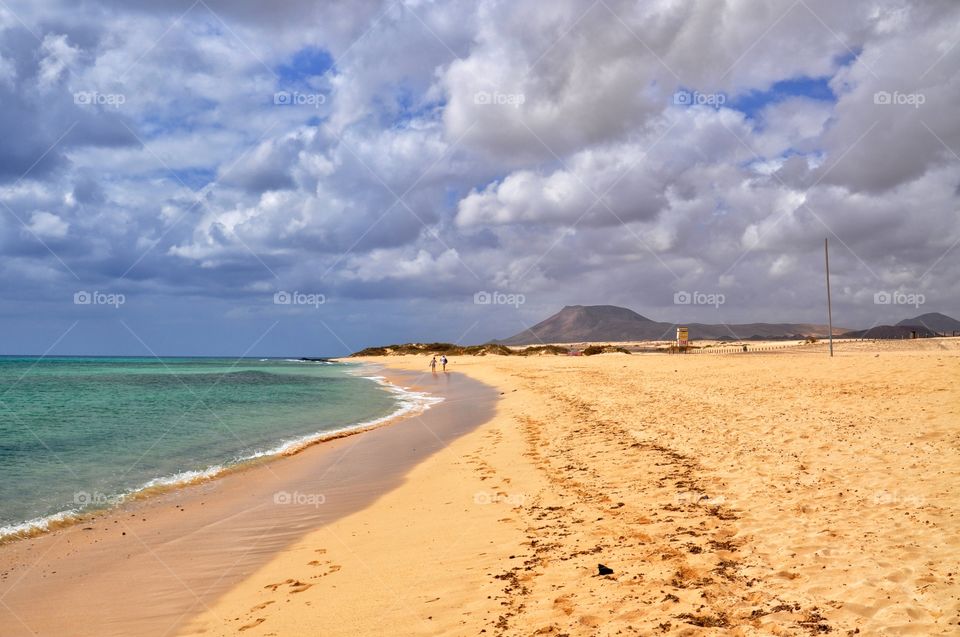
[893, 498]
[82, 297]
[512, 499]
[697, 497]
[95, 498]
[95, 98]
[695, 98]
[496, 98]
[698, 298]
[298, 298]
[296, 98]
[886, 98]
[299, 499]
[498, 298]
[899, 298]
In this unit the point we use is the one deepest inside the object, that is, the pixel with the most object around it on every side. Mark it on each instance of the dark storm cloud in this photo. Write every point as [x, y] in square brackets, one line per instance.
[42, 119]
[444, 148]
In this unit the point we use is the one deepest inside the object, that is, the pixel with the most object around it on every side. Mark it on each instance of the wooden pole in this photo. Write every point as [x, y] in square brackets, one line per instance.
[826, 254]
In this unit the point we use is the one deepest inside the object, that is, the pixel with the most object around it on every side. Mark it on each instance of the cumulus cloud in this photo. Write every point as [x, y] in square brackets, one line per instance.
[57, 55]
[45, 224]
[576, 152]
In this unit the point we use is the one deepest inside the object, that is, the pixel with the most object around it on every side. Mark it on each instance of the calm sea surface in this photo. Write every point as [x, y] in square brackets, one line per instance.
[80, 433]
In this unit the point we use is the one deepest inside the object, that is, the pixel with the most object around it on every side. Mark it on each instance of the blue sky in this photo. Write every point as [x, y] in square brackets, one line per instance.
[394, 160]
[753, 102]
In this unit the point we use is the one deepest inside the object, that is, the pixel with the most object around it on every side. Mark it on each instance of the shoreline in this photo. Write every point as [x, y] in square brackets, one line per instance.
[410, 403]
[179, 548]
[787, 493]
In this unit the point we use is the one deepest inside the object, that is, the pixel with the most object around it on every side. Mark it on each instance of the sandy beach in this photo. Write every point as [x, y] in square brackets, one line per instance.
[149, 565]
[688, 274]
[771, 493]
[776, 493]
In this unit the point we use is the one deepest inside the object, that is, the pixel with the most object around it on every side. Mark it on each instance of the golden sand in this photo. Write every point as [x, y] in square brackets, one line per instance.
[780, 493]
[149, 565]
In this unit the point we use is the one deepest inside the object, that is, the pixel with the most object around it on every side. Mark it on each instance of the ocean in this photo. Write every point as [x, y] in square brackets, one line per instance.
[78, 434]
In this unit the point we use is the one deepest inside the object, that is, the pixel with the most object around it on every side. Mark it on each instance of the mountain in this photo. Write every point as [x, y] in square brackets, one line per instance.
[889, 331]
[925, 325]
[934, 321]
[609, 323]
[582, 323]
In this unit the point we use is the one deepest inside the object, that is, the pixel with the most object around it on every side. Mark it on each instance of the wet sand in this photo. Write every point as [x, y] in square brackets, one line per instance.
[775, 493]
[145, 568]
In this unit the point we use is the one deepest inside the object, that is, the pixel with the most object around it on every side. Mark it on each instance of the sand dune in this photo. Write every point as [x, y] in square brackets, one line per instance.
[779, 493]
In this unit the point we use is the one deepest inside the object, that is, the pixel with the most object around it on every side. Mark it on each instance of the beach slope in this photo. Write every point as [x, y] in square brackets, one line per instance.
[777, 493]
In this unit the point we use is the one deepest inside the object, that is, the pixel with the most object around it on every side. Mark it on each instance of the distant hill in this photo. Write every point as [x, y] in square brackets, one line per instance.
[933, 321]
[889, 331]
[925, 325]
[583, 323]
[609, 323]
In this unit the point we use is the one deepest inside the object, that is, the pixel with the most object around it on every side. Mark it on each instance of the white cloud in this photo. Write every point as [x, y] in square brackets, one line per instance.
[48, 225]
[500, 124]
[57, 56]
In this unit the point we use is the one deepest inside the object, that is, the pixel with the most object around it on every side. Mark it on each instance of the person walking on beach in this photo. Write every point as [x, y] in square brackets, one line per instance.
[443, 361]
[433, 364]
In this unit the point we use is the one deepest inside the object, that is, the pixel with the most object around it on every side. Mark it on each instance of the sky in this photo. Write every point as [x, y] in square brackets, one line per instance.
[231, 177]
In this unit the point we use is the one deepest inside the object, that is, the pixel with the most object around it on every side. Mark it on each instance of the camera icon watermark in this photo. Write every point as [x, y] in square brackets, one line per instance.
[97, 499]
[698, 298]
[893, 498]
[296, 98]
[496, 98]
[83, 297]
[896, 98]
[283, 297]
[899, 298]
[498, 298]
[299, 499]
[684, 97]
[511, 499]
[698, 498]
[94, 98]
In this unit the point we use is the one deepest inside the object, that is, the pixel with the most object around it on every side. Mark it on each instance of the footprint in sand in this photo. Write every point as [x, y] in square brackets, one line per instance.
[332, 568]
[261, 606]
[296, 586]
[253, 624]
[274, 587]
[564, 604]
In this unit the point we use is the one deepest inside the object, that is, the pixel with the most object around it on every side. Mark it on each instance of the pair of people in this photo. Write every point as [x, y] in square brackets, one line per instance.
[443, 362]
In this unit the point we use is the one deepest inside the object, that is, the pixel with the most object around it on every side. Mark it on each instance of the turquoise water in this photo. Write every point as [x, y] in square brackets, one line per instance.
[79, 433]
